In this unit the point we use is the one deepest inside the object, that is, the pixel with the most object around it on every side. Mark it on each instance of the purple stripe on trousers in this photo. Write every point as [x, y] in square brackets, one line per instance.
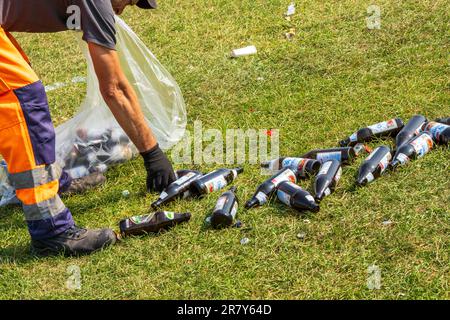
[33, 101]
[48, 228]
[64, 182]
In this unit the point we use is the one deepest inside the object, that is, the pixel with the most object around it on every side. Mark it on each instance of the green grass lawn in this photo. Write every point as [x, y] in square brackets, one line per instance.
[334, 77]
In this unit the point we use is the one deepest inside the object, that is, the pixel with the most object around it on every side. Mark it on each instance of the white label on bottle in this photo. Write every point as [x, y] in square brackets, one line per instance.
[370, 177]
[284, 197]
[215, 184]
[338, 175]
[262, 198]
[220, 203]
[354, 137]
[169, 215]
[327, 192]
[436, 129]
[310, 198]
[383, 126]
[287, 175]
[185, 178]
[422, 144]
[326, 156]
[385, 162]
[234, 210]
[325, 167]
[235, 174]
[402, 158]
[163, 195]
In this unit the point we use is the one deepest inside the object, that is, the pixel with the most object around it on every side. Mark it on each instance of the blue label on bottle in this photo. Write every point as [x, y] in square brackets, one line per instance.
[324, 157]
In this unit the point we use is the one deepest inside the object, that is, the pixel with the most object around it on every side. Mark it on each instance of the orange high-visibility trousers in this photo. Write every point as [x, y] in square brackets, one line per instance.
[27, 142]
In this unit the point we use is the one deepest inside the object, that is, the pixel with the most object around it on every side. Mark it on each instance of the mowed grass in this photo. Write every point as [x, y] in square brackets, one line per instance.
[333, 78]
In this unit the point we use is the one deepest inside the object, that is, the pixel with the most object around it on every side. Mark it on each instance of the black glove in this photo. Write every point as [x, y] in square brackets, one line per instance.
[159, 170]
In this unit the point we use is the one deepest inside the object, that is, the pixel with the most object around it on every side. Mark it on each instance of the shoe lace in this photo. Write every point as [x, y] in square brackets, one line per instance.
[75, 231]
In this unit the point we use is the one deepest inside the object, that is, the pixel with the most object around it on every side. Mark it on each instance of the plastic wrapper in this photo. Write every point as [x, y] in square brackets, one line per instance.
[7, 192]
[93, 140]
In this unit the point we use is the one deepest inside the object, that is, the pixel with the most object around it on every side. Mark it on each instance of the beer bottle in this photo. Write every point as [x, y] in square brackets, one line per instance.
[439, 132]
[343, 154]
[303, 166]
[225, 210]
[443, 120]
[382, 129]
[327, 178]
[214, 181]
[295, 197]
[374, 165]
[415, 148]
[177, 189]
[266, 189]
[152, 223]
[410, 130]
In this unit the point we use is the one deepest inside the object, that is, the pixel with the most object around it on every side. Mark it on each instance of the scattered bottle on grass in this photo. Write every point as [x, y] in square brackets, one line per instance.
[415, 148]
[268, 187]
[214, 181]
[443, 120]
[225, 210]
[361, 148]
[180, 188]
[439, 132]
[303, 166]
[374, 165]
[410, 130]
[327, 178]
[295, 197]
[382, 129]
[343, 154]
[152, 223]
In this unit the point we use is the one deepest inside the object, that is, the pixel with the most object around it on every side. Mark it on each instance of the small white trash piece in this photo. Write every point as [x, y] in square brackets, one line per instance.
[290, 10]
[243, 51]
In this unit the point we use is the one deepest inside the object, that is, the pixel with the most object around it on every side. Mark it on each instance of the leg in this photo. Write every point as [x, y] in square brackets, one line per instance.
[27, 143]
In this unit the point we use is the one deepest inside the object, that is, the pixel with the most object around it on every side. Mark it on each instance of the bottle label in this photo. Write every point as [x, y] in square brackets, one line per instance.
[215, 184]
[403, 158]
[422, 144]
[327, 192]
[220, 203]
[436, 129]
[186, 194]
[163, 195]
[385, 162]
[169, 215]
[324, 157]
[185, 178]
[141, 219]
[325, 167]
[370, 177]
[235, 174]
[353, 137]
[262, 198]
[287, 175]
[284, 197]
[383, 126]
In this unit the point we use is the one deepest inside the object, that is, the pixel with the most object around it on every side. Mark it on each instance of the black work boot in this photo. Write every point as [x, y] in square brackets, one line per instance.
[74, 241]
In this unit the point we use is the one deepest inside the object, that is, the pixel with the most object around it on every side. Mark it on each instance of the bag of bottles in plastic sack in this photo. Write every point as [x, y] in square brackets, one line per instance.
[93, 140]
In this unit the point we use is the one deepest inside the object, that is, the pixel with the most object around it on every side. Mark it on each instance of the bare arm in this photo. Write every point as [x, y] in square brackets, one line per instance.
[121, 97]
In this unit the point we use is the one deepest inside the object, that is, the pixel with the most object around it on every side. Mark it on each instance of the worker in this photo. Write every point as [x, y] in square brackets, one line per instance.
[27, 135]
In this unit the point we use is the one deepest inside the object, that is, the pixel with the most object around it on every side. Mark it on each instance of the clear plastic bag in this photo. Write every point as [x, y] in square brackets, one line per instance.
[93, 140]
[7, 192]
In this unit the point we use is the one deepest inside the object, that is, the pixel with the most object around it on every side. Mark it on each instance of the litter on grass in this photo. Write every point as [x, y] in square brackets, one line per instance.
[246, 51]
